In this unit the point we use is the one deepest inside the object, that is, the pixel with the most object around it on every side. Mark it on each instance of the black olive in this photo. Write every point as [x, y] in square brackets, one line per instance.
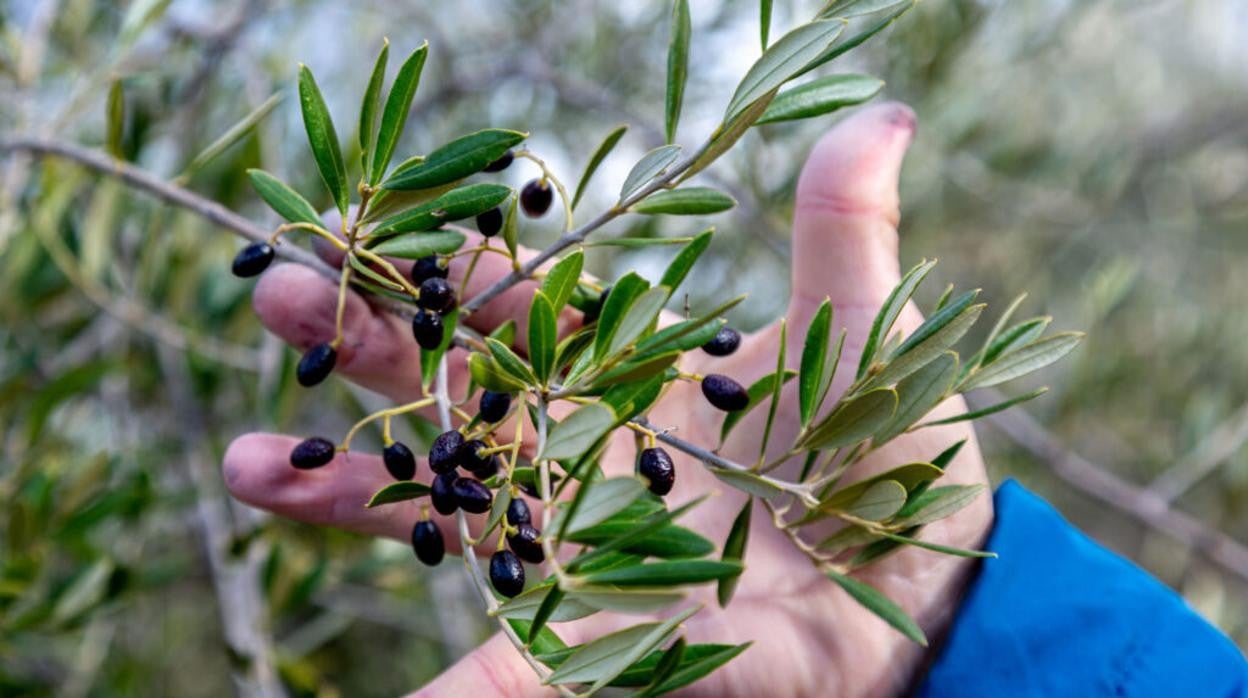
[536, 197]
[493, 406]
[506, 573]
[444, 454]
[399, 461]
[525, 545]
[427, 542]
[657, 467]
[427, 328]
[472, 495]
[253, 259]
[312, 453]
[316, 365]
[443, 494]
[724, 343]
[724, 393]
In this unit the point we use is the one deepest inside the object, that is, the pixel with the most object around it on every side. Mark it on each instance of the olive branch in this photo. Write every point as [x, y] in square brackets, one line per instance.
[631, 554]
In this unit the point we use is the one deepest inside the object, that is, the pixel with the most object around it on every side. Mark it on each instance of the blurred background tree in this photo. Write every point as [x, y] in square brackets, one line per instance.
[1092, 153]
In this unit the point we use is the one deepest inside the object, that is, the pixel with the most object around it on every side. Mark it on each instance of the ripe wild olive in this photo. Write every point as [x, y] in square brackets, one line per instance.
[724, 342]
[536, 197]
[312, 453]
[656, 466]
[724, 393]
[506, 573]
[428, 329]
[427, 543]
[253, 259]
[316, 365]
[399, 461]
[444, 454]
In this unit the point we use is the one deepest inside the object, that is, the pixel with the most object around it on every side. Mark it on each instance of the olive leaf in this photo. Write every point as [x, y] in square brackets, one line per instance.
[883, 323]
[562, 279]
[689, 201]
[452, 162]
[783, 61]
[600, 661]
[822, 96]
[734, 550]
[323, 139]
[369, 104]
[684, 260]
[677, 66]
[815, 376]
[1022, 361]
[651, 165]
[871, 599]
[394, 116]
[852, 421]
[398, 492]
[543, 336]
[600, 153]
[282, 199]
[420, 244]
[576, 433]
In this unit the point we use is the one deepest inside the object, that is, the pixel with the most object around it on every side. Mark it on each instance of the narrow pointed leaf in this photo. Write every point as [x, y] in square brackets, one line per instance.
[919, 393]
[880, 501]
[688, 201]
[394, 116]
[764, 22]
[936, 547]
[621, 298]
[937, 503]
[910, 475]
[578, 432]
[323, 139]
[871, 599]
[814, 360]
[600, 661]
[398, 492]
[232, 135]
[544, 611]
[486, 373]
[782, 61]
[691, 671]
[369, 106]
[282, 199]
[509, 362]
[750, 483]
[604, 149]
[1014, 337]
[734, 551]
[525, 607]
[821, 96]
[667, 573]
[852, 42]
[456, 204]
[511, 227]
[420, 244]
[677, 66]
[543, 336]
[991, 409]
[883, 323]
[651, 165]
[1022, 361]
[640, 316]
[116, 118]
[608, 598]
[684, 260]
[461, 157]
[562, 279]
[853, 421]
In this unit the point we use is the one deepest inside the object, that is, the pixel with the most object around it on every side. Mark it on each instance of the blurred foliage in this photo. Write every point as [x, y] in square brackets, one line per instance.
[1092, 153]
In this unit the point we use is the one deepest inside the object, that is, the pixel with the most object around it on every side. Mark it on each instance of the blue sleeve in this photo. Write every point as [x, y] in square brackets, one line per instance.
[1058, 615]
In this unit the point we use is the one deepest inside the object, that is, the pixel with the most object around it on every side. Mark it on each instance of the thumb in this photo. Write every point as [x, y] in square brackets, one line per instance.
[845, 221]
[493, 669]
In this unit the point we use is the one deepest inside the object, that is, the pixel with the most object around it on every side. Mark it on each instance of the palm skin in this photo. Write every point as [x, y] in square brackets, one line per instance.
[809, 637]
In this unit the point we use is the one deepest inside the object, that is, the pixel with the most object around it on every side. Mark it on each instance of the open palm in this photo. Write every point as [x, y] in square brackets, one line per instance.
[809, 637]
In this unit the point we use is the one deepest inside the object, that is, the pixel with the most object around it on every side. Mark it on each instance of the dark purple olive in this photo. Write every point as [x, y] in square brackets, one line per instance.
[518, 512]
[428, 329]
[536, 197]
[723, 343]
[501, 163]
[312, 453]
[472, 460]
[493, 406]
[472, 495]
[506, 573]
[724, 393]
[657, 467]
[437, 295]
[490, 222]
[399, 460]
[316, 365]
[253, 259]
[428, 268]
[427, 542]
[444, 454]
[442, 495]
[524, 543]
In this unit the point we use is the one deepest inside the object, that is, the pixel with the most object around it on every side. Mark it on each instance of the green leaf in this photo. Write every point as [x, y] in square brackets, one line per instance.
[937, 322]
[429, 358]
[996, 330]
[734, 550]
[1022, 361]
[511, 227]
[486, 373]
[909, 359]
[394, 117]
[600, 154]
[619, 300]
[691, 671]
[456, 204]
[640, 316]
[637, 243]
[526, 604]
[420, 244]
[821, 96]
[860, 38]
[852, 421]
[651, 165]
[677, 66]
[544, 611]
[666, 573]
[689, 201]
[323, 139]
[846, 538]
[368, 107]
[728, 134]
[811, 387]
[782, 354]
[576, 434]
[505, 333]
[461, 157]
[880, 501]
[543, 336]
[600, 661]
[116, 118]
[883, 323]
[783, 61]
[871, 599]
[856, 8]
[937, 503]
[991, 409]
[661, 539]
[508, 361]
[910, 475]
[608, 598]
[919, 393]
[282, 199]
[562, 279]
[1019, 335]
[750, 483]
[547, 641]
[760, 389]
[502, 500]
[684, 260]
[936, 547]
[668, 663]
[764, 22]
[602, 499]
[637, 369]
[398, 492]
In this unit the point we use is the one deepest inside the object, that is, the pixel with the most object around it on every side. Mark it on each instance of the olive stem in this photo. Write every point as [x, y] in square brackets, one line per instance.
[390, 269]
[391, 412]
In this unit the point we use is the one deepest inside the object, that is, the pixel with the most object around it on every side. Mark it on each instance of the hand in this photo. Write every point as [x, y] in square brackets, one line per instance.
[809, 637]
